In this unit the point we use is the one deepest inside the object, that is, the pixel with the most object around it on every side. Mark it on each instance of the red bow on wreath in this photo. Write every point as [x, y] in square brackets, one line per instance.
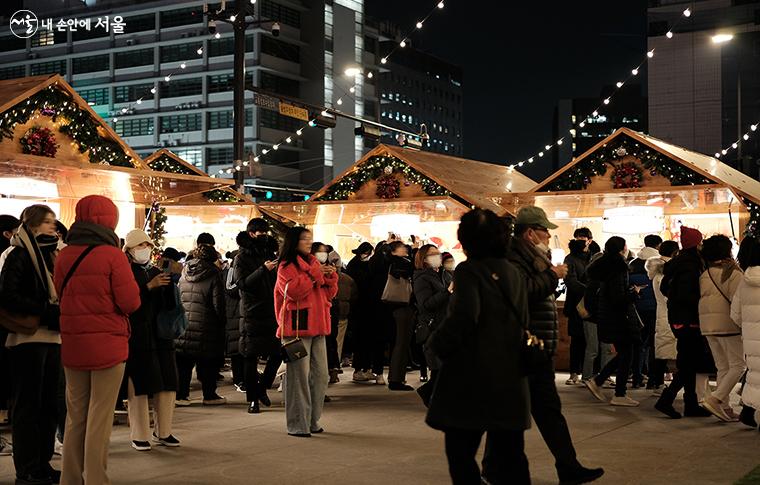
[627, 176]
[39, 141]
[388, 187]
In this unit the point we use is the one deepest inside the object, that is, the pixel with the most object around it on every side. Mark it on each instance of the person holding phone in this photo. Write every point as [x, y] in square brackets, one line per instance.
[151, 367]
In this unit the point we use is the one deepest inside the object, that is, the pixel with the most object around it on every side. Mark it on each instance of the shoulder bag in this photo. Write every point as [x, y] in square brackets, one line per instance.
[295, 349]
[397, 290]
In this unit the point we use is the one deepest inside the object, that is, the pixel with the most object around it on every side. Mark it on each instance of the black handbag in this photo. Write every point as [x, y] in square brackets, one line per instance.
[292, 350]
[423, 330]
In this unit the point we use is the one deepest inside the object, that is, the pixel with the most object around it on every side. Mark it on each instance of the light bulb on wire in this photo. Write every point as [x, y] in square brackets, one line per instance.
[419, 25]
[650, 54]
[635, 72]
[383, 60]
[402, 44]
[687, 12]
[669, 35]
[440, 4]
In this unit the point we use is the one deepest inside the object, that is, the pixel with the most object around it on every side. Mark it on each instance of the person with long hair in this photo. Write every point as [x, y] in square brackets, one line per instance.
[151, 366]
[400, 266]
[302, 296]
[478, 346]
[432, 294]
[26, 288]
[618, 322]
[95, 305]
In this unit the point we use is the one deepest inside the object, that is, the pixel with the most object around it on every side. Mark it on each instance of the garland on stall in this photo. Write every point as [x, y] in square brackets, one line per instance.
[165, 163]
[39, 141]
[388, 187]
[75, 122]
[219, 195]
[579, 177]
[627, 176]
[753, 225]
[375, 168]
[157, 229]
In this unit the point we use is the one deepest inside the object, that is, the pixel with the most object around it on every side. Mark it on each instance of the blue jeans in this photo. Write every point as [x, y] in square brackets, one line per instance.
[592, 350]
[305, 386]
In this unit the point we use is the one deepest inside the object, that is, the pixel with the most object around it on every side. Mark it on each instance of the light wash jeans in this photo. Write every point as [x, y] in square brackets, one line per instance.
[592, 350]
[304, 387]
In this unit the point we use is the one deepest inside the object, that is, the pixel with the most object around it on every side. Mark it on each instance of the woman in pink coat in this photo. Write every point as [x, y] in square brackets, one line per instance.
[302, 297]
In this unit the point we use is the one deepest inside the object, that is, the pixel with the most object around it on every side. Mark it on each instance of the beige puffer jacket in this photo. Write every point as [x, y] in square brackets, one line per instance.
[717, 287]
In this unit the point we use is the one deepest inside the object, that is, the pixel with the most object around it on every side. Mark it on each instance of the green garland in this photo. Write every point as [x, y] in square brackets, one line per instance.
[374, 168]
[80, 125]
[165, 163]
[753, 225]
[219, 195]
[579, 177]
[157, 229]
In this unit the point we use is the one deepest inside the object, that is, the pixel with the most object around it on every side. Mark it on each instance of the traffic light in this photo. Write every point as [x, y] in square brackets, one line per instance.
[269, 194]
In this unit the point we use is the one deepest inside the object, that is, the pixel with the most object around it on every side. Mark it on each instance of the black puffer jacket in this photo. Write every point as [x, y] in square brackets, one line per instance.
[541, 282]
[258, 324]
[431, 295]
[202, 291]
[577, 262]
[23, 292]
[233, 313]
[151, 364]
[616, 314]
[680, 284]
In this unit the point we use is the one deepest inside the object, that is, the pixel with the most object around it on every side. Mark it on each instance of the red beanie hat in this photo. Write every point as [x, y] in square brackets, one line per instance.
[690, 238]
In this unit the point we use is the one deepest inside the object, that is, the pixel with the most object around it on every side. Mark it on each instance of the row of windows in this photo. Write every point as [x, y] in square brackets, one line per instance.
[283, 50]
[182, 87]
[425, 87]
[424, 104]
[280, 13]
[134, 127]
[51, 67]
[82, 65]
[127, 94]
[133, 58]
[179, 123]
[276, 121]
[280, 85]
[95, 96]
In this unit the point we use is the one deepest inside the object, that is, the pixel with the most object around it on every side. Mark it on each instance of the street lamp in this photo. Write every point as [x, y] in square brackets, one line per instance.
[237, 18]
[721, 38]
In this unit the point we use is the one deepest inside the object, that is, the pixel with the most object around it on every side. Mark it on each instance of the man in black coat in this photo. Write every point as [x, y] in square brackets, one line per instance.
[254, 274]
[530, 254]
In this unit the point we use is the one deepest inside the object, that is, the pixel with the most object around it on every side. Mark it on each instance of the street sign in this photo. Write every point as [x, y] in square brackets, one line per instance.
[265, 101]
[294, 111]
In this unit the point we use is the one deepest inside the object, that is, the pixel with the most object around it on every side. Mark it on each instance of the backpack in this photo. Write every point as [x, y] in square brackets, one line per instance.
[172, 322]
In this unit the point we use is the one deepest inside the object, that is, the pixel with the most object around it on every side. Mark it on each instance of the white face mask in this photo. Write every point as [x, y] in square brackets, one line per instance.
[141, 256]
[321, 257]
[434, 261]
[449, 266]
[542, 247]
[61, 244]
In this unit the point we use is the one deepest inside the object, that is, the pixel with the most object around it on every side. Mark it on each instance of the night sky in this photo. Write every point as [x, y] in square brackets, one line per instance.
[522, 57]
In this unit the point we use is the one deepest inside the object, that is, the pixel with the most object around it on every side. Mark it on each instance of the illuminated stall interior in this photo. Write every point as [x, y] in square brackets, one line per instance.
[54, 149]
[405, 192]
[221, 212]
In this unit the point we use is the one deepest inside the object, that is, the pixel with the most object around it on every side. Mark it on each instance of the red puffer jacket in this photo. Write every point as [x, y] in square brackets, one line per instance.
[100, 294]
[309, 298]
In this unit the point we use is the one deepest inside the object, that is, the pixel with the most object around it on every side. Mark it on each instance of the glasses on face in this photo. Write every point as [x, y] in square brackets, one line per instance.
[541, 229]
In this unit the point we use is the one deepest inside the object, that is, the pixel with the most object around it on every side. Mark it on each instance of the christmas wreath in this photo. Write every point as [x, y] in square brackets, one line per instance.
[39, 141]
[627, 176]
[388, 187]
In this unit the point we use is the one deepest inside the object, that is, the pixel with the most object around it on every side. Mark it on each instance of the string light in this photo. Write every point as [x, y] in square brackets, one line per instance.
[650, 54]
[288, 140]
[440, 4]
[669, 35]
[419, 25]
[635, 72]
[687, 12]
[402, 44]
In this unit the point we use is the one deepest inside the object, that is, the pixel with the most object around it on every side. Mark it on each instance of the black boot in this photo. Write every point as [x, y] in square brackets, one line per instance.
[665, 404]
[692, 409]
[747, 416]
[254, 408]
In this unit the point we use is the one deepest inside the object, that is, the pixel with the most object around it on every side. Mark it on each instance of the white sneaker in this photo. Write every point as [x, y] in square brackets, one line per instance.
[181, 403]
[360, 376]
[595, 389]
[609, 384]
[574, 380]
[6, 448]
[58, 448]
[379, 379]
[623, 401]
[712, 404]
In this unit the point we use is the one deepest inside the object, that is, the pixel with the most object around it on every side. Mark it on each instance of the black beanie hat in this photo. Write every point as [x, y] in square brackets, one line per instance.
[205, 238]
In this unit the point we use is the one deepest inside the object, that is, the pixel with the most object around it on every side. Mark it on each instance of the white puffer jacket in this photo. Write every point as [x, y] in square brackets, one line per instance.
[717, 286]
[745, 312]
[664, 340]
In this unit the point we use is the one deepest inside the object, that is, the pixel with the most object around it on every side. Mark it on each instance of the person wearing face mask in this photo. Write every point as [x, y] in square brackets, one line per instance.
[359, 322]
[254, 274]
[151, 366]
[530, 253]
[322, 253]
[202, 344]
[401, 266]
[26, 288]
[448, 262]
[431, 293]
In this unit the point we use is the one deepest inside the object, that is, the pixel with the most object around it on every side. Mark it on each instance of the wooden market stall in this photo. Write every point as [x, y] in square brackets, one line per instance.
[55, 149]
[631, 185]
[406, 192]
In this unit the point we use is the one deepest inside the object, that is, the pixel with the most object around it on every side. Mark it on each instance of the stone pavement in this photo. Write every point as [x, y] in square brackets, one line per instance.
[374, 436]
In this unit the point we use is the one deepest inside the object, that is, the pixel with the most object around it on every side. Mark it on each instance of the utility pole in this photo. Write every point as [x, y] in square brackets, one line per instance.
[238, 19]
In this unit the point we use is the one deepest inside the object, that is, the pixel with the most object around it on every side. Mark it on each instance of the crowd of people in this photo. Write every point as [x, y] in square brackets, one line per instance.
[91, 321]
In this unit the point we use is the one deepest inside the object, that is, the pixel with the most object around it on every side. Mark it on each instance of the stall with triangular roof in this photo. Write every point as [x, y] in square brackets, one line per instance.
[631, 185]
[55, 149]
[405, 192]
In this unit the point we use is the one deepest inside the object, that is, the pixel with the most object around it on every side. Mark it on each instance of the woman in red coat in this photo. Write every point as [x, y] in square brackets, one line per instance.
[302, 297]
[95, 305]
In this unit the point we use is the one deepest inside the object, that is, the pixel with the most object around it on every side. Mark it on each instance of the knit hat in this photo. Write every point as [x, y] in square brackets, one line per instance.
[171, 253]
[258, 224]
[690, 238]
[364, 248]
[446, 256]
[205, 238]
[134, 238]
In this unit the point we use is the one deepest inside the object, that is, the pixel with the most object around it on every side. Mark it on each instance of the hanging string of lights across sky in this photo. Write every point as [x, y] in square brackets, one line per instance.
[606, 101]
[735, 145]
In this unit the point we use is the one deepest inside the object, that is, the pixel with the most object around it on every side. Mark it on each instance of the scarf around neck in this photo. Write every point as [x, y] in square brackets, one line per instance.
[23, 239]
[89, 234]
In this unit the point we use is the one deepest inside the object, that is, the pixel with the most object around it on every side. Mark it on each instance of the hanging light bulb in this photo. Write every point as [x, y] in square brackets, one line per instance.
[255, 159]
[530, 160]
[232, 18]
[440, 4]
[607, 101]
[217, 36]
[687, 12]
[115, 120]
[669, 35]
[521, 164]
[419, 24]
[288, 140]
[182, 66]
[352, 89]
[717, 155]
[264, 151]
[276, 147]
[139, 101]
[595, 114]
[123, 110]
[559, 142]
[650, 54]
[383, 60]
[402, 44]
[734, 146]
[724, 151]
[340, 101]
[299, 132]
[167, 78]
[547, 147]
[619, 84]
[582, 124]
[153, 90]
[200, 51]
[370, 75]
[753, 127]
[746, 136]
[635, 72]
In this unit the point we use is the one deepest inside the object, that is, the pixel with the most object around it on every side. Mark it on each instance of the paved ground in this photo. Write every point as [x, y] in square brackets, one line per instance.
[375, 436]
